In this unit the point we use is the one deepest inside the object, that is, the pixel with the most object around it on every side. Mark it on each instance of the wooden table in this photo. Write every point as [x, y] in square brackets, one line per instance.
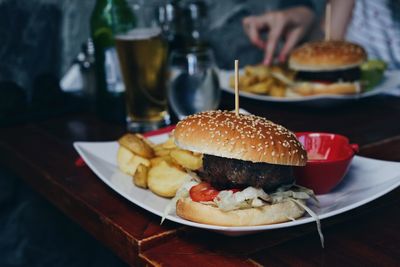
[42, 154]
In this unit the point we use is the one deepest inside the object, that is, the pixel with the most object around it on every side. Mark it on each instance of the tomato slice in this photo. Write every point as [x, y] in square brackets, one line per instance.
[203, 192]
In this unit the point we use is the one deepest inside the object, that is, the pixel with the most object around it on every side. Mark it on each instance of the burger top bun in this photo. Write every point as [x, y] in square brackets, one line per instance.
[326, 55]
[243, 137]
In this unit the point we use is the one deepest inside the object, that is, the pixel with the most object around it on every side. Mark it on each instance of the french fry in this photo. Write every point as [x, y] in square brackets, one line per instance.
[260, 79]
[157, 160]
[128, 162]
[169, 144]
[232, 81]
[164, 179]
[123, 157]
[261, 72]
[146, 140]
[260, 88]
[140, 176]
[186, 159]
[162, 152]
[164, 168]
[158, 147]
[278, 91]
[246, 81]
[136, 145]
[140, 160]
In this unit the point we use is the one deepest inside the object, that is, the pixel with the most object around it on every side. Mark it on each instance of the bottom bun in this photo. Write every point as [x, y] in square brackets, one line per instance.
[269, 214]
[309, 88]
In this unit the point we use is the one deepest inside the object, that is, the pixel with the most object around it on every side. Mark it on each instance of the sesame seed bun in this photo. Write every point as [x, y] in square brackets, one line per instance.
[268, 214]
[243, 137]
[326, 55]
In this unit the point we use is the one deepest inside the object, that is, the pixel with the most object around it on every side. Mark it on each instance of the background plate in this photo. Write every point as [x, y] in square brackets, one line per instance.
[390, 82]
[366, 180]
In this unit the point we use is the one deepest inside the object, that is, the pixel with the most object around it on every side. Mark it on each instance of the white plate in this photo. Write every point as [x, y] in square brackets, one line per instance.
[391, 81]
[366, 180]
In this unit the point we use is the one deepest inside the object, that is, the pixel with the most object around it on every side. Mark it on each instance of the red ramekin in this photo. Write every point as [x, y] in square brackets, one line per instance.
[329, 158]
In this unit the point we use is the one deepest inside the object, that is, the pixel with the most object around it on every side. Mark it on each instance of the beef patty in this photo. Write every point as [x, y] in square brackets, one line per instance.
[224, 173]
[346, 75]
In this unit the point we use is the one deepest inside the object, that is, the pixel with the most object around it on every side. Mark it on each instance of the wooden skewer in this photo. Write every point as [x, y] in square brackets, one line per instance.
[237, 87]
[328, 16]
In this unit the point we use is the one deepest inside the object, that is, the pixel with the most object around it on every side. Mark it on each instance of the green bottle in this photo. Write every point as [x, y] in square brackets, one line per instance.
[109, 17]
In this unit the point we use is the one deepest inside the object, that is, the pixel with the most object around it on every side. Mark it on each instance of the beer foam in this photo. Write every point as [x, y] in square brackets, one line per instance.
[139, 34]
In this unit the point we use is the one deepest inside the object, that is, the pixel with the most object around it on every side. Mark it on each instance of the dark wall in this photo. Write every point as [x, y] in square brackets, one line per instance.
[40, 37]
[44, 36]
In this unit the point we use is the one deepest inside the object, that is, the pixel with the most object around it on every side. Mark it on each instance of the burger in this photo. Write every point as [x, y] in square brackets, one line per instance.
[247, 172]
[327, 67]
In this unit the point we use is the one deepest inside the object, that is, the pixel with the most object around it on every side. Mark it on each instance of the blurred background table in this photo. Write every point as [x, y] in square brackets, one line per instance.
[41, 153]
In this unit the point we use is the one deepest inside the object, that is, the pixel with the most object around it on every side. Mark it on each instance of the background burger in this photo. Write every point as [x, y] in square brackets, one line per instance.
[327, 67]
[246, 177]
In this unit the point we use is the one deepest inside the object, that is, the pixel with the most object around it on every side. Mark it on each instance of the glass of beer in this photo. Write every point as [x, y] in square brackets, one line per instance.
[142, 53]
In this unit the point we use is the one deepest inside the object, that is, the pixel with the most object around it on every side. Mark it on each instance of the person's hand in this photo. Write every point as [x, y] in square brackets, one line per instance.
[291, 24]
